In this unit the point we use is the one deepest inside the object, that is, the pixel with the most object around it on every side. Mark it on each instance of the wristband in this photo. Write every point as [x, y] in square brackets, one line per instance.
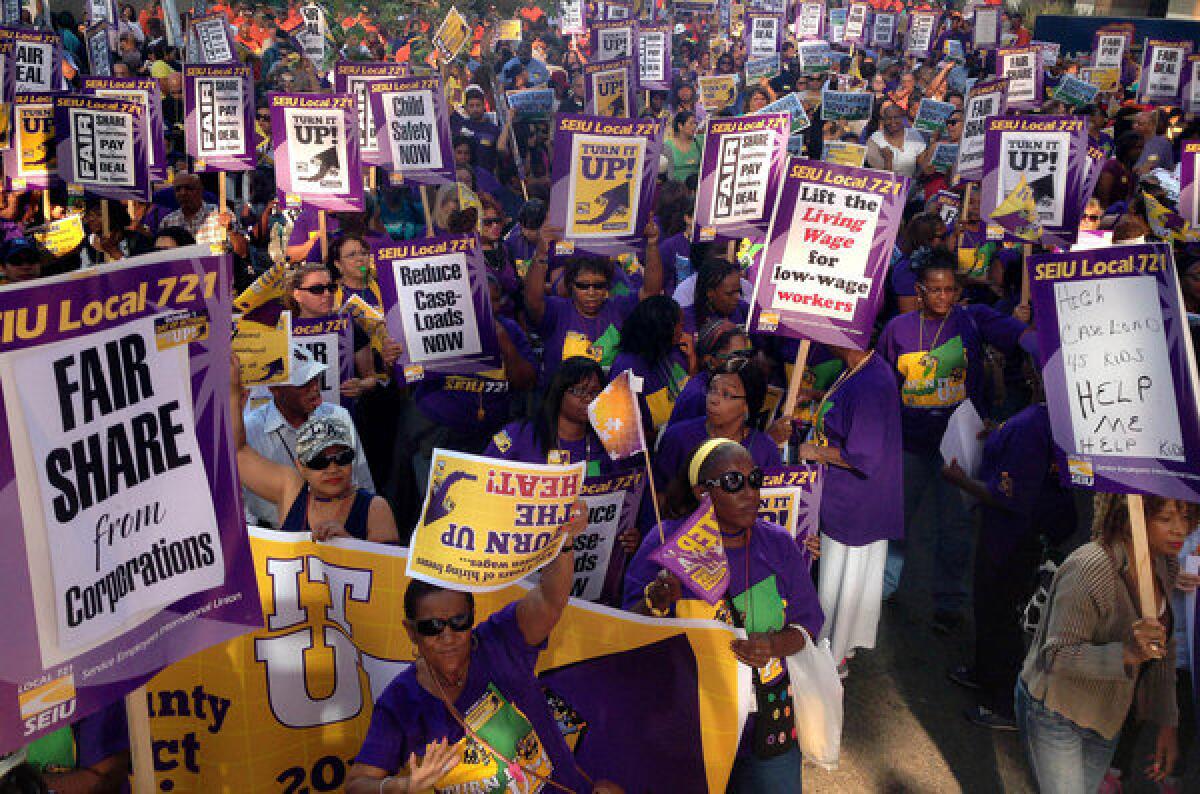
[655, 611]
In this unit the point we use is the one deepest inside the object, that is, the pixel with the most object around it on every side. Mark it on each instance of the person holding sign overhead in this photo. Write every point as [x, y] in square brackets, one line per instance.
[770, 594]
[1093, 658]
[938, 352]
[588, 322]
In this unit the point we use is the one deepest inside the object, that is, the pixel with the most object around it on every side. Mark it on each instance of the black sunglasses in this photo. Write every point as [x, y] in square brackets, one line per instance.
[433, 627]
[492, 221]
[599, 286]
[343, 458]
[319, 289]
[734, 481]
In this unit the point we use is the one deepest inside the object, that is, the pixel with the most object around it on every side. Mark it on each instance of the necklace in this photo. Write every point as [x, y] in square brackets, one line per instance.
[453, 683]
[345, 495]
[921, 331]
[846, 375]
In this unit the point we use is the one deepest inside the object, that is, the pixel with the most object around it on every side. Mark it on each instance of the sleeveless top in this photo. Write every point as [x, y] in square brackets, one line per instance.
[356, 522]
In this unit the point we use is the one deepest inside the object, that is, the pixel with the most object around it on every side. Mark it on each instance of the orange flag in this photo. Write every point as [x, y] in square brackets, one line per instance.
[617, 418]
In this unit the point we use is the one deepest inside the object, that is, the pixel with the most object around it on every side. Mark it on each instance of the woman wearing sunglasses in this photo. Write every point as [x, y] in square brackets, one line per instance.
[318, 494]
[770, 595]
[733, 400]
[496, 255]
[588, 322]
[467, 681]
[856, 434]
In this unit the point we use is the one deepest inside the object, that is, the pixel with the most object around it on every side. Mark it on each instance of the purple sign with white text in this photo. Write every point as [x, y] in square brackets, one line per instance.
[315, 139]
[103, 147]
[219, 103]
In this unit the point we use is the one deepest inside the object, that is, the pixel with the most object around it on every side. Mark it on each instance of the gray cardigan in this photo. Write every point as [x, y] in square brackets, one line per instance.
[1075, 665]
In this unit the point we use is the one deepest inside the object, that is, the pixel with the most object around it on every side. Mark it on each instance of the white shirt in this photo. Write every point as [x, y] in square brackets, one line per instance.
[272, 437]
[904, 159]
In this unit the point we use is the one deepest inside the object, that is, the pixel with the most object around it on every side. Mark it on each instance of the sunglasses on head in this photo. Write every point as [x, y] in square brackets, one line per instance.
[319, 289]
[734, 481]
[433, 627]
[343, 458]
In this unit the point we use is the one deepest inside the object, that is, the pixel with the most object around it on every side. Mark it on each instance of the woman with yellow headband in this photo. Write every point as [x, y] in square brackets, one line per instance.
[770, 594]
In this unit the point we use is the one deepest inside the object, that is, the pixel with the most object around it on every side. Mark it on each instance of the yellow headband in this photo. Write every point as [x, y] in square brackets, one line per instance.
[701, 455]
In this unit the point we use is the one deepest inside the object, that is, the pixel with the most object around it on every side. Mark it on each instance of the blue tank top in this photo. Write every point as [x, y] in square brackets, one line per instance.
[356, 522]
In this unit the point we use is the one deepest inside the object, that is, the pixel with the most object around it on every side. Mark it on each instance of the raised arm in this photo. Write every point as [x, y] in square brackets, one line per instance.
[540, 609]
[266, 478]
[535, 279]
[652, 278]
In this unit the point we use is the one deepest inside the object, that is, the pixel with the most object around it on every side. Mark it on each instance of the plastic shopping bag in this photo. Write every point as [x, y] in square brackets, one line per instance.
[817, 699]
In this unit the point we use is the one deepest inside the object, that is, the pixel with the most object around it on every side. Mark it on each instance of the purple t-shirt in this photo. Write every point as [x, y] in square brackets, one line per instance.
[518, 442]
[308, 222]
[737, 318]
[862, 419]
[501, 701]
[457, 400]
[661, 384]
[568, 333]
[681, 440]
[1019, 471]
[939, 363]
[670, 250]
[692, 400]
[903, 277]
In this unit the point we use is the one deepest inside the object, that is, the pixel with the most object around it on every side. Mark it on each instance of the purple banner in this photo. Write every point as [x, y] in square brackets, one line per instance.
[32, 160]
[1119, 370]
[1189, 185]
[413, 131]
[654, 56]
[37, 60]
[219, 102]
[1162, 70]
[827, 257]
[329, 340]
[1023, 68]
[315, 141]
[743, 165]
[119, 563]
[810, 21]
[437, 306]
[1050, 153]
[791, 497]
[695, 555]
[604, 182]
[609, 88]
[1190, 92]
[354, 78]
[147, 91]
[102, 147]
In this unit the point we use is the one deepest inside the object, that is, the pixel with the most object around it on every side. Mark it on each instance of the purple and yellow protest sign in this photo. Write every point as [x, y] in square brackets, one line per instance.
[791, 497]
[922, 27]
[855, 31]
[740, 172]
[1162, 70]
[102, 147]
[413, 129]
[1190, 90]
[1189, 185]
[1050, 154]
[126, 546]
[883, 30]
[355, 78]
[32, 160]
[329, 340]
[218, 100]
[1023, 68]
[609, 88]
[37, 61]
[604, 181]
[1119, 370]
[810, 21]
[613, 39]
[823, 271]
[436, 305]
[315, 141]
[452, 35]
[210, 40]
[985, 99]
[654, 56]
[696, 556]
[764, 34]
[717, 92]
[310, 705]
[488, 523]
[146, 91]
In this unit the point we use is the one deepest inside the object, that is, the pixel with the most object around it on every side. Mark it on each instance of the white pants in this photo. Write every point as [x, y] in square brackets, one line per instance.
[850, 587]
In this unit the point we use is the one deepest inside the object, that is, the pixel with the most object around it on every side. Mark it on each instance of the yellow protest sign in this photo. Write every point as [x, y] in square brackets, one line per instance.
[1107, 80]
[452, 34]
[606, 175]
[62, 236]
[487, 523]
[509, 30]
[717, 92]
[607, 87]
[263, 351]
[301, 690]
[845, 153]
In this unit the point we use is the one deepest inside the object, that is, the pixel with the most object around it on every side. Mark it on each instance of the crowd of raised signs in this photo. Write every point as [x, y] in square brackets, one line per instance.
[346, 452]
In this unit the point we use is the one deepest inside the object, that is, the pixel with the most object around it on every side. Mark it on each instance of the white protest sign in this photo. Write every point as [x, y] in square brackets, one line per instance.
[436, 307]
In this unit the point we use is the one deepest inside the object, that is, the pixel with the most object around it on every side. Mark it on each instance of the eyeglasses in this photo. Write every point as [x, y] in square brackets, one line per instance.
[955, 121]
[492, 221]
[725, 395]
[598, 286]
[319, 289]
[939, 290]
[583, 392]
[1091, 217]
[343, 458]
[734, 481]
[433, 627]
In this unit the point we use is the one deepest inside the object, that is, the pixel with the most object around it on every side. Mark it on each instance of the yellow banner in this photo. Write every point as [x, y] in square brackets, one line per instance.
[488, 523]
[845, 153]
[62, 236]
[286, 709]
[263, 352]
